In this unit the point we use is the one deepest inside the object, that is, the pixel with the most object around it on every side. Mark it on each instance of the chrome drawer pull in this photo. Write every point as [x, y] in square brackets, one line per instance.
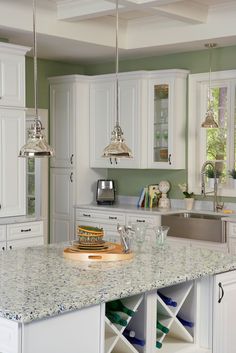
[140, 220]
[110, 217]
[86, 215]
[26, 230]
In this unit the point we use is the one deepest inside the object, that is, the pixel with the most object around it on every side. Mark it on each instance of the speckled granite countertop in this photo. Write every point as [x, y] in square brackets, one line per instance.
[38, 282]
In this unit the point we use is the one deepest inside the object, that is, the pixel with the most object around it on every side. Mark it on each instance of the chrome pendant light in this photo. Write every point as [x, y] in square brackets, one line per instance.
[117, 147]
[209, 121]
[36, 145]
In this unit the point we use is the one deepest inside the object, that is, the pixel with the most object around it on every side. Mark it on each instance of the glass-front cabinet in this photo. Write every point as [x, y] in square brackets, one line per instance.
[167, 120]
[160, 130]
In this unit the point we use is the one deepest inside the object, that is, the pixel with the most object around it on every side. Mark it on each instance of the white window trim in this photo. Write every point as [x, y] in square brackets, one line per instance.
[195, 159]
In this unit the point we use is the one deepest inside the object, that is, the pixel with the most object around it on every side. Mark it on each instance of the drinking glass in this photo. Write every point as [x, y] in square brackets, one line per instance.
[161, 234]
[139, 234]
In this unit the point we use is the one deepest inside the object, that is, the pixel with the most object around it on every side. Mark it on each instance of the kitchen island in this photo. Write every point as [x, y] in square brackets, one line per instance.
[51, 304]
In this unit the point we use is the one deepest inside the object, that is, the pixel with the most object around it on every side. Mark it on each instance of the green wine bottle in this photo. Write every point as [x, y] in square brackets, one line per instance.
[158, 344]
[117, 305]
[162, 327]
[115, 318]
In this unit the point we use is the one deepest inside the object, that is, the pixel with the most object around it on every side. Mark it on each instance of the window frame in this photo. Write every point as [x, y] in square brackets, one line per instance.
[197, 106]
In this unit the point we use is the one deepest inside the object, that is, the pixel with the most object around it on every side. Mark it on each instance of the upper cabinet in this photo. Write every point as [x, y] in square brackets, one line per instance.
[12, 75]
[167, 120]
[152, 117]
[12, 130]
[103, 117]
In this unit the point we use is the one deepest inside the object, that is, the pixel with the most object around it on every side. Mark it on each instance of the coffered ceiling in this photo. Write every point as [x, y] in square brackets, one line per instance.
[84, 30]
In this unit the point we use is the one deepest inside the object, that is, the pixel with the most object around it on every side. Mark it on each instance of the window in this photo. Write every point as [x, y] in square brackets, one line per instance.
[217, 145]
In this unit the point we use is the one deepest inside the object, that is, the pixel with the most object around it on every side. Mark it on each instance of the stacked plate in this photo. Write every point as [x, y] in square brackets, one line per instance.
[90, 238]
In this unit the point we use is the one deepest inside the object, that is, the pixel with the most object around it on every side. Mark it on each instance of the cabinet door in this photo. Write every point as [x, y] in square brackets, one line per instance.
[62, 104]
[12, 168]
[103, 119]
[224, 313]
[166, 124]
[12, 80]
[61, 208]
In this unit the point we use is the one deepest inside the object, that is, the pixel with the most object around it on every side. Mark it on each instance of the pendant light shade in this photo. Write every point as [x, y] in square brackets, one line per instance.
[36, 145]
[117, 147]
[209, 121]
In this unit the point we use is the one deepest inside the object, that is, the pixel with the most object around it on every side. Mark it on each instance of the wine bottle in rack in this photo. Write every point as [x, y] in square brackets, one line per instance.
[131, 337]
[117, 305]
[185, 322]
[115, 318]
[158, 344]
[167, 300]
[162, 328]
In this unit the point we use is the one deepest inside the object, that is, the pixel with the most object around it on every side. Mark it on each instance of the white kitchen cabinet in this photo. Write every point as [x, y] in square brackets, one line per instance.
[12, 75]
[76, 181]
[62, 192]
[167, 120]
[152, 116]
[12, 168]
[21, 235]
[62, 124]
[103, 117]
[83, 325]
[224, 313]
[108, 220]
[231, 236]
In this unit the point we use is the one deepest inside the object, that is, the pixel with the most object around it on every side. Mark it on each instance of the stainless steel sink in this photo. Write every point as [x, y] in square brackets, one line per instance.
[199, 226]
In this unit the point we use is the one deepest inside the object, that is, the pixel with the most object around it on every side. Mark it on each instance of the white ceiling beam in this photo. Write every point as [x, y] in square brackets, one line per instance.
[74, 10]
[186, 11]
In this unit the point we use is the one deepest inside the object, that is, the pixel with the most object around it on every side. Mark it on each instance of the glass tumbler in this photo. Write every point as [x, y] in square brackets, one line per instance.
[139, 234]
[161, 234]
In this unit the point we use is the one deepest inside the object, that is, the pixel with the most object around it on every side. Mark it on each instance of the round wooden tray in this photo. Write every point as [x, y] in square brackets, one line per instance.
[113, 253]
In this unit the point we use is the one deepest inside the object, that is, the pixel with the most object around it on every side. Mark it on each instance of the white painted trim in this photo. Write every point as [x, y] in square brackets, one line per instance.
[13, 48]
[195, 133]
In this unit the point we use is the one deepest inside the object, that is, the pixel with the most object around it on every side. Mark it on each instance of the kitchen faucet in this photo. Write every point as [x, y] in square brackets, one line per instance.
[216, 205]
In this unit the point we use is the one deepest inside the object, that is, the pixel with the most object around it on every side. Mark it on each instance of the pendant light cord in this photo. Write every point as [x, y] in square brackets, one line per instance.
[35, 61]
[117, 64]
[209, 87]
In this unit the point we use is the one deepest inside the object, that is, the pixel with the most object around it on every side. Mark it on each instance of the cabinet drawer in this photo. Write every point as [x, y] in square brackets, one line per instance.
[23, 230]
[101, 217]
[150, 220]
[2, 233]
[9, 336]
[24, 243]
[231, 229]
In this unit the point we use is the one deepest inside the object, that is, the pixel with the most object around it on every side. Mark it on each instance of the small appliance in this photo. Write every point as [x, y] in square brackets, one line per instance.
[105, 192]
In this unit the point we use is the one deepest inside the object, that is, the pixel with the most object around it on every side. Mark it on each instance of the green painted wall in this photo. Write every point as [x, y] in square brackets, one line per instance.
[129, 182]
[46, 68]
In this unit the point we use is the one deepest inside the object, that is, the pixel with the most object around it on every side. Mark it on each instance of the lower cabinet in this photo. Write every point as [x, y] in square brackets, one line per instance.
[231, 235]
[12, 168]
[21, 235]
[224, 313]
[108, 220]
[62, 191]
[194, 316]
